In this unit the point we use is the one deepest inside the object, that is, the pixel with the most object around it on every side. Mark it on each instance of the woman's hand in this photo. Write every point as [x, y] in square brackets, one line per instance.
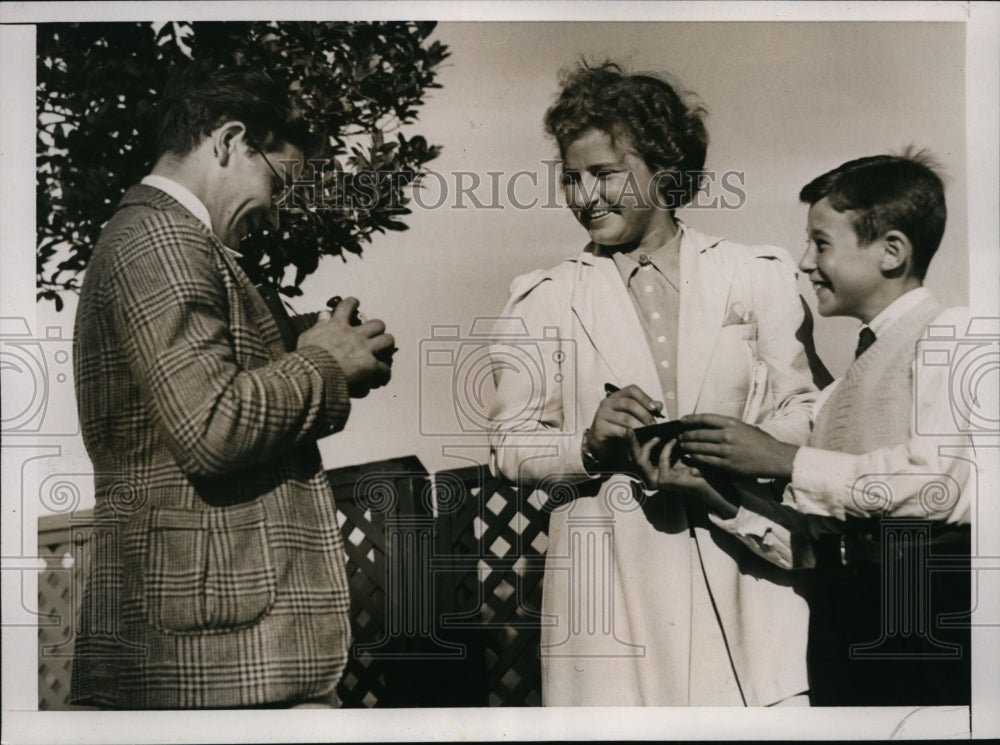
[669, 474]
[619, 413]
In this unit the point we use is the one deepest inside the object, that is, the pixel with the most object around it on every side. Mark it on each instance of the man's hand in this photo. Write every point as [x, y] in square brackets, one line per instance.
[670, 474]
[618, 414]
[733, 446]
[363, 352]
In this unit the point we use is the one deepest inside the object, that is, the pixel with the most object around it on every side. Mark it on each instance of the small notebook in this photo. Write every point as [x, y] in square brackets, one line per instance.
[666, 431]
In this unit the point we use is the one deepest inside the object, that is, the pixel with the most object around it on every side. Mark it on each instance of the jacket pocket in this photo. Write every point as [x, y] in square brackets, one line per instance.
[208, 571]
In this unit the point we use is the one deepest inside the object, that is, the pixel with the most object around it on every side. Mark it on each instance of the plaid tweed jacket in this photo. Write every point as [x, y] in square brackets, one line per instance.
[216, 568]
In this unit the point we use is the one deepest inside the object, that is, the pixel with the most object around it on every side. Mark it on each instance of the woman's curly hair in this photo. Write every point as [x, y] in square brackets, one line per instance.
[665, 127]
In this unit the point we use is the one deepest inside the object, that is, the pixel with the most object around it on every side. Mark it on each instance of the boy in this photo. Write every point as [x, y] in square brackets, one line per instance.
[881, 488]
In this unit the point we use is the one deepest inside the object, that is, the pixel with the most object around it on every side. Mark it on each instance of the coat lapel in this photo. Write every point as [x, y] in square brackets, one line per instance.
[257, 309]
[260, 314]
[604, 309]
[705, 285]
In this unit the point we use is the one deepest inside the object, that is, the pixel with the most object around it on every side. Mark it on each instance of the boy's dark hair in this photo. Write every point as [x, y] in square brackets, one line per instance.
[200, 97]
[667, 132]
[888, 192]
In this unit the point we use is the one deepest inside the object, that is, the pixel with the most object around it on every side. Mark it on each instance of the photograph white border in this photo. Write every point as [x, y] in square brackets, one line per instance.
[23, 724]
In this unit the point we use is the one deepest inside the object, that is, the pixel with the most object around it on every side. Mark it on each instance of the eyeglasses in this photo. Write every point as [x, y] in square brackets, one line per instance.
[279, 192]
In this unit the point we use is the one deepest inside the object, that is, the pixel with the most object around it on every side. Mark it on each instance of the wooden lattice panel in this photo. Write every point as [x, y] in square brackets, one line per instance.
[364, 546]
[496, 538]
[58, 607]
[444, 609]
[368, 499]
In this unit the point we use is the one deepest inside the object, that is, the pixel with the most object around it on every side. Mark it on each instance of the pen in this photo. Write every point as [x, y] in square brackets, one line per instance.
[610, 388]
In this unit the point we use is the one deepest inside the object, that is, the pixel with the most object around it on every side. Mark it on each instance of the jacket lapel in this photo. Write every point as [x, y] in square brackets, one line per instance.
[257, 309]
[705, 285]
[260, 314]
[604, 309]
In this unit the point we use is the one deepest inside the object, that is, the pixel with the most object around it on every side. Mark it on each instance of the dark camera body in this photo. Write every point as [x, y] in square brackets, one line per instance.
[290, 326]
[332, 304]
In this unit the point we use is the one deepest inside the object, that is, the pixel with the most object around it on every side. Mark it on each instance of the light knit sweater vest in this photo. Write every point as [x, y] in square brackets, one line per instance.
[872, 406]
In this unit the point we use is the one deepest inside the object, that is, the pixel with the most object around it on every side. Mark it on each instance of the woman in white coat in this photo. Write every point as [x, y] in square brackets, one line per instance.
[650, 598]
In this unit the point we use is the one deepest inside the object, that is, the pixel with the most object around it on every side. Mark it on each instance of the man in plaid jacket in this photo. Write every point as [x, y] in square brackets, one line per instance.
[216, 571]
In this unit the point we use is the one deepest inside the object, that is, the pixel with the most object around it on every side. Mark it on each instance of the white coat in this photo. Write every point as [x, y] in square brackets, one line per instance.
[621, 568]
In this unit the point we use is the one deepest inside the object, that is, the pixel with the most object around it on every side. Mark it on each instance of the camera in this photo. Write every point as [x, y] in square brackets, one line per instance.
[973, 373]
[356, 318]
[462, 369]
[290, 326]
[37, 381]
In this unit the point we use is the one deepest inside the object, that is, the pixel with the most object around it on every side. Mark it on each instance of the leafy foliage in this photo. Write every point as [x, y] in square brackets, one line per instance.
[358, 84]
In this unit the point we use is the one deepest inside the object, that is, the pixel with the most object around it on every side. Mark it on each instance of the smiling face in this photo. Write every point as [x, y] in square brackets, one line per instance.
[846, 276]
[612, 193]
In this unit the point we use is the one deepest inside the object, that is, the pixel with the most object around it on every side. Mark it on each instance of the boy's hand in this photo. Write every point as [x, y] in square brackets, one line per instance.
[731, 445]
[671, 475]
[614, 420]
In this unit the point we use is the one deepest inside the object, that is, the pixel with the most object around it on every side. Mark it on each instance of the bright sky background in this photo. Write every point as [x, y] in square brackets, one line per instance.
[786, 101]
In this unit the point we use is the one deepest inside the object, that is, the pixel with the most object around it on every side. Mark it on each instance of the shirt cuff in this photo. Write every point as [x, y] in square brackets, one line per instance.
[820, 479]
[577, 464]
[762, 535]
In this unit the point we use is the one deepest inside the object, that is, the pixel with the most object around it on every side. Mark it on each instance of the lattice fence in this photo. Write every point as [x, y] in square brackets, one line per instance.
[445, 574]
[495, 541]
[58, 605]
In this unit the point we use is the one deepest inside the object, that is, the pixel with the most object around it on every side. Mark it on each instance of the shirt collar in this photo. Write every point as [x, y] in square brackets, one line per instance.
[629, 263]
[898, 308]
[187, 200]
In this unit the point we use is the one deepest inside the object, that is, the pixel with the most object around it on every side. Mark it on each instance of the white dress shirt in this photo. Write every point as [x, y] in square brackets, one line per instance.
[822, 480]
[187, 200]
